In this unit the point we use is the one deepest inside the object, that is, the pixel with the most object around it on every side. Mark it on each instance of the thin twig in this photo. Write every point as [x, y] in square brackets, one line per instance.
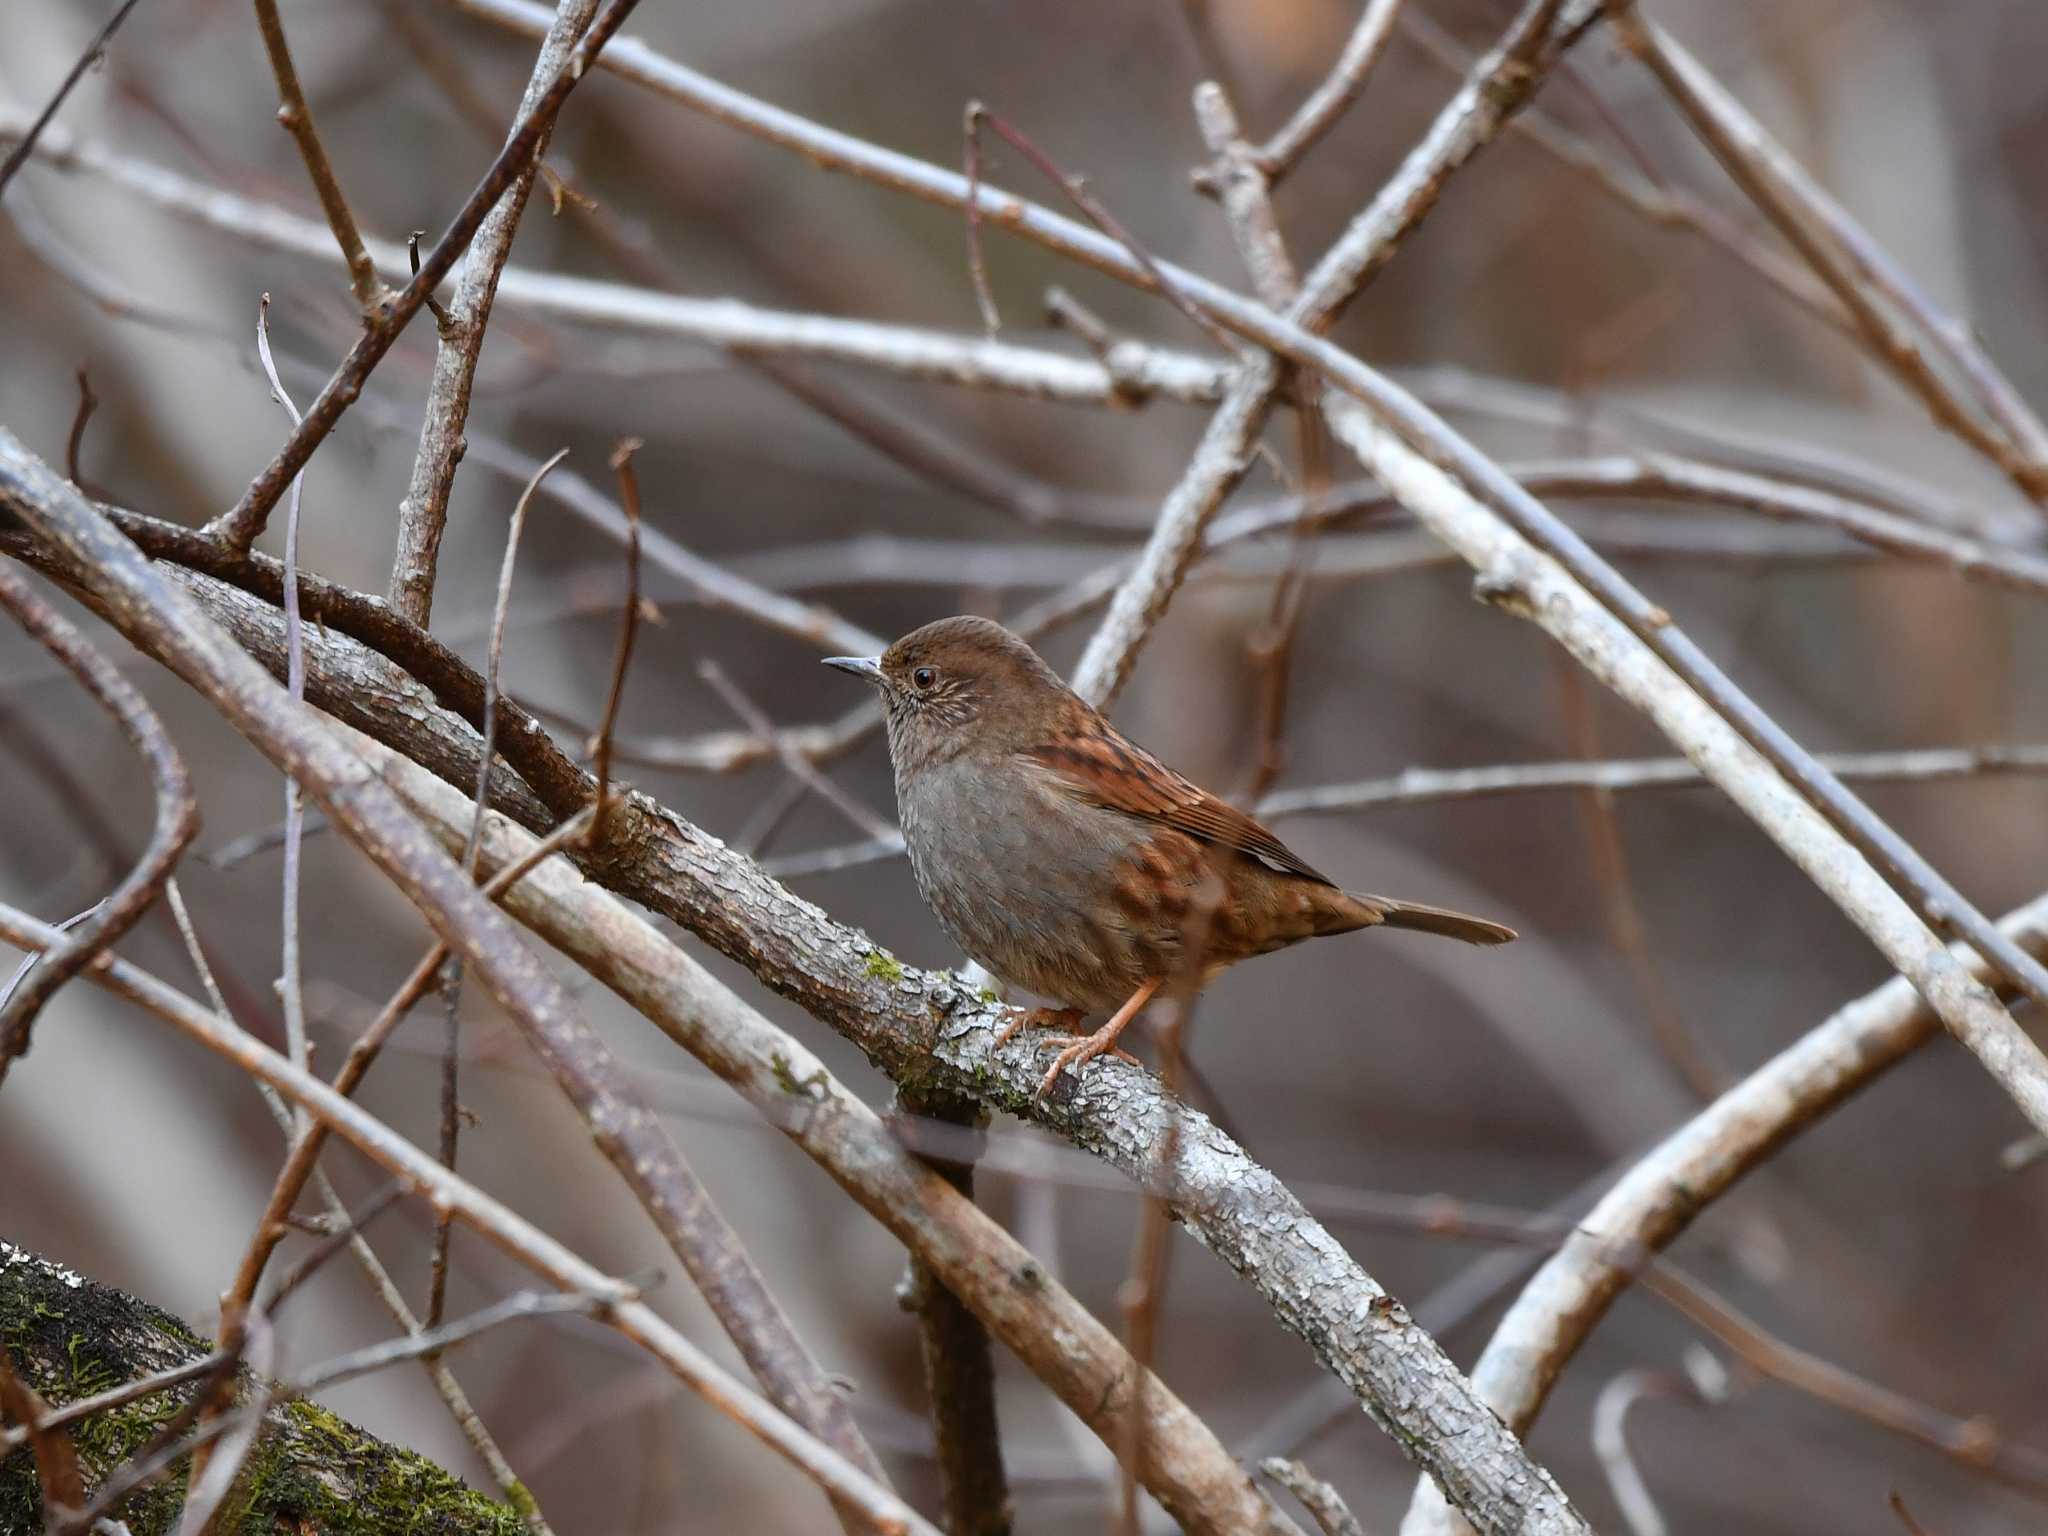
[1641, 188]
[58, 1481]
[94, 52]
[423, 513]
[1324, 1504]
[88, 402]
[1076, 192]
[800, 767]
[1623, 911]
[450, 980]
[1870, 287]
[1610, 1435]
[1322, 107]
[1492, 92]
[1424, 786]
[977, 261]
[291, 986]
[629, 626]
[1975, 1442]
[296, 117]
[1137, 371]
[1214, 469]
[1898, 1505]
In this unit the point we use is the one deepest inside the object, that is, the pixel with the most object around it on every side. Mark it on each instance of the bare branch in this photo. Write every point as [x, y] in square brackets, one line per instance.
[1218, 464]
[1421, 786]
[295, 116]
[959, 1369]
[1495, 89]
[1660, 1196]
[237, 528]
[1141, 371]
[424, 511]
[1873, 290]
[1974, 1441]
[1656, 668]
[1322, 107]
[629, 626]
[1664, 205]
[94, 52]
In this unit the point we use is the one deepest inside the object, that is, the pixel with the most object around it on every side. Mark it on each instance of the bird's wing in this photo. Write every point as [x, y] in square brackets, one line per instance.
[1103, 768]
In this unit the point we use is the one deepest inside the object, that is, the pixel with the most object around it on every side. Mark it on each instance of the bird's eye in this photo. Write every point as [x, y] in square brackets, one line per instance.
[924, 677]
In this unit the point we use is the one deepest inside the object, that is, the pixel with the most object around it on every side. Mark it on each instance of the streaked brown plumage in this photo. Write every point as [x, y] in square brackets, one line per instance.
[1071, 862]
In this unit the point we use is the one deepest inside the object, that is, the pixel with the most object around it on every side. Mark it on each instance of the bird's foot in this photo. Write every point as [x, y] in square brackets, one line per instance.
[1061, 1019]
[1083, 1049]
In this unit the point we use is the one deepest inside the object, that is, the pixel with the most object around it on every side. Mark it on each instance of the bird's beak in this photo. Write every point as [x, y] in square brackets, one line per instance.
[867, 667]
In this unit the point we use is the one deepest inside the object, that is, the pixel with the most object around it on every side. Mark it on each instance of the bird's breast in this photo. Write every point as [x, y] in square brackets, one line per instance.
[1021, 878]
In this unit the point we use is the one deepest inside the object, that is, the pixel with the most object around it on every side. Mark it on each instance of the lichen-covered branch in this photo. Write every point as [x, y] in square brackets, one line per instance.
[997, 1279]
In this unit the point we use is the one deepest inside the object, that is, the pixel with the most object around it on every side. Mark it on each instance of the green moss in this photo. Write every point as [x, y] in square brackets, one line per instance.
[884, 966]
[786, 1079]
[316, 1471]
[311, 1474]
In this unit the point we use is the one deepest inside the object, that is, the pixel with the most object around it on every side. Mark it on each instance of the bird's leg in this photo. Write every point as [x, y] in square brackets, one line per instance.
[1061, 1019]
[1086, 1050]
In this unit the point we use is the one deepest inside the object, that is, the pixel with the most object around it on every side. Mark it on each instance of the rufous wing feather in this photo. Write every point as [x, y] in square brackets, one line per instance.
[1103, 768]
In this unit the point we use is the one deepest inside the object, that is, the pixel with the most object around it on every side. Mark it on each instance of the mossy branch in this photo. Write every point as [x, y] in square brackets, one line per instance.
[311, 1472]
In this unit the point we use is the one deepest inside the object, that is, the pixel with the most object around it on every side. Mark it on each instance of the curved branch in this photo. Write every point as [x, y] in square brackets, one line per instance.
[1661, 1195]
[177, 813]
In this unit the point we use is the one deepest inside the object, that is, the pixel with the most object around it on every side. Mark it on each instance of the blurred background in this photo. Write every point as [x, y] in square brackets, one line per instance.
[1540, 314]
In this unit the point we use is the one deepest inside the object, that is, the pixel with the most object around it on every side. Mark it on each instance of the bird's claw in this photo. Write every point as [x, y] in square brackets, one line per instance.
[1081, 1050]
[1062, 1019]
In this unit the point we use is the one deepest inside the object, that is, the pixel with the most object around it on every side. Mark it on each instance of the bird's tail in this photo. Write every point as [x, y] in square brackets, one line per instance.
[1439, 920]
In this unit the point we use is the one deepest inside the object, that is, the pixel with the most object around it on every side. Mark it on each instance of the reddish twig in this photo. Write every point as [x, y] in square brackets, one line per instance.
[977, 260]
[296, 118]
[1322, 107]
[629, 626]
[1092, 208]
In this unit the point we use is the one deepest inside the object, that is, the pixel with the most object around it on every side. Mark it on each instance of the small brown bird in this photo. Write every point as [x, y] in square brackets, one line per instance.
[1070, 861]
